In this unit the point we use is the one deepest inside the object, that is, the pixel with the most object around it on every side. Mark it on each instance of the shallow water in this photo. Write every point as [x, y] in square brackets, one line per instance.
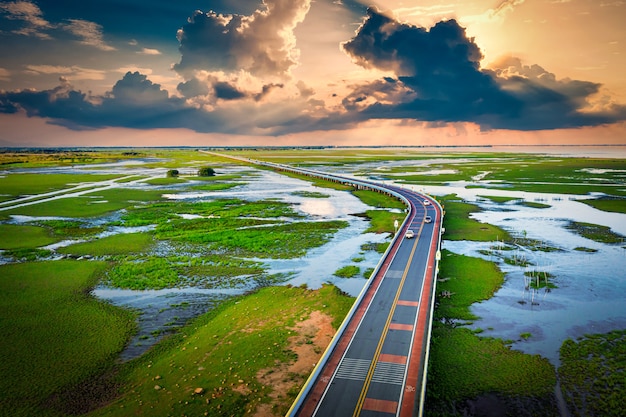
[590, 286]
[167, 309]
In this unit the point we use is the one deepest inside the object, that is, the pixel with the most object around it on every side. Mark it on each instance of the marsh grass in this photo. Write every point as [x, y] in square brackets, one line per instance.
[459, 225]
[310, 194]
[593, 374]
[595, 232]
[616, 205]
[112, 245]
[348, 271]
[224, 352]
[54, 335]
[470, 280]
[90, 205]
[24, 236]
[534, 204]
[464, 366]
[27, 184]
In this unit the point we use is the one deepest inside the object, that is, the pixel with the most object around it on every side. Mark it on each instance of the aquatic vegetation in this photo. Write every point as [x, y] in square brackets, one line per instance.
[613, 204]
[310, 194]
[16, 185]
[539, 279]
[459, 225]
[593, 374]
[27, 254]
[595, 232]
[90, 205]
[584, 249]
[464, 366]
[112, 245]
[534, 204]
[470, 280]
[348, 271]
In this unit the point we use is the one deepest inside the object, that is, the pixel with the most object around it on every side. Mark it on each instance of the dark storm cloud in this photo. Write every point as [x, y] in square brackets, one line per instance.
[134, 102]
[441, 66]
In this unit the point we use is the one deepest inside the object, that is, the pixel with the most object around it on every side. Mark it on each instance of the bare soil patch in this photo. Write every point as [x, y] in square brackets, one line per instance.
[311, 339]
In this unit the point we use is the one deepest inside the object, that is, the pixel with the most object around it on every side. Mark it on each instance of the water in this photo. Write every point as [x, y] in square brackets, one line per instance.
[590, 286]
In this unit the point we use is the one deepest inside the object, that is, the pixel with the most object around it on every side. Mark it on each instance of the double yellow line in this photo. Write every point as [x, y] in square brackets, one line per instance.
[381, 342]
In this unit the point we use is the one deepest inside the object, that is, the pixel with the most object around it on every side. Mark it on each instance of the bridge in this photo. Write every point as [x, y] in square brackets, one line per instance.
[376, 364]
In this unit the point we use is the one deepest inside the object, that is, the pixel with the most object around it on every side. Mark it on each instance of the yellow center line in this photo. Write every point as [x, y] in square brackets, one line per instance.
[370, 373]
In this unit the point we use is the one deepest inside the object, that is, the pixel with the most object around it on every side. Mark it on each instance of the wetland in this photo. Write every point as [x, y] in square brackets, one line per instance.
[164, 262]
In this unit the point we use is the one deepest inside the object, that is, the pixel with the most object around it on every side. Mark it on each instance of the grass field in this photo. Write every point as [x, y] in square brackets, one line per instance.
[240, 358]
[464, 366]
[593, 374]
[459, 226]
[54, 335]
[20, 237]
[121, 244]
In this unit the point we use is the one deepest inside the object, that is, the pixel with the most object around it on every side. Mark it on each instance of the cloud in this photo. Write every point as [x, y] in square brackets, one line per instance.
[90, 33]
[262, 43]
[74, 72]
[30, 15]
[438, 78]
[149, 51]
[5, 74]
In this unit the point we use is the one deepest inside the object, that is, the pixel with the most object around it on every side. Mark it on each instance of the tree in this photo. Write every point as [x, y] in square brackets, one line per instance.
[172, 173]
[206, 172]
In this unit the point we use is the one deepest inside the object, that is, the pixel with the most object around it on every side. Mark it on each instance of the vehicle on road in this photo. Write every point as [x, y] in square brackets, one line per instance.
[428, 219]
[409, 234]
[426, 202]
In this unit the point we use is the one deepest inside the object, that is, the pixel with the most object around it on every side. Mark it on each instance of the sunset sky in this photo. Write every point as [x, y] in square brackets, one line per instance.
[302, 72]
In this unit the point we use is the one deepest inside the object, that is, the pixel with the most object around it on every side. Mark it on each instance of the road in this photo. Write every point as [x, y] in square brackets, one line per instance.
[377, 362]
[378, 365]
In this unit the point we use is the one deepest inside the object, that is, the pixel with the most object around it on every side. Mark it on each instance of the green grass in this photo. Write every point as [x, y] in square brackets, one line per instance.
[382, 221]
[112, 245]
[379, 200]
[231, 353]
[166, 181]
[470, 280]
[616, 205]
[89, 205]
[498, 199]
[310, 194]
[595, 232]
[593, 374]
[534, 204]
[21, 237]
[459, 226]
[27, 184]
[55, 337]
[463, 365]
[348, 271]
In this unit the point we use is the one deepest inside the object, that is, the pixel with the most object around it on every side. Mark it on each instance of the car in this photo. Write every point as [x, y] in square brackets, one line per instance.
[409, 234]
[426, 202]
[428, 219]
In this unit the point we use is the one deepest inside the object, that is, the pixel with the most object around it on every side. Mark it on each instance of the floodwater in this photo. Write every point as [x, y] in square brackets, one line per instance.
[589, 297]
[164, 310]
[590, 287]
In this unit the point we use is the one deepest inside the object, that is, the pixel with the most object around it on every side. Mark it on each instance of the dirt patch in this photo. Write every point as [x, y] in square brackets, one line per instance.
[312, 337]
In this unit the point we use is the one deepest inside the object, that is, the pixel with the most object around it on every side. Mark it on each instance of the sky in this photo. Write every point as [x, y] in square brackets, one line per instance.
[312, 72]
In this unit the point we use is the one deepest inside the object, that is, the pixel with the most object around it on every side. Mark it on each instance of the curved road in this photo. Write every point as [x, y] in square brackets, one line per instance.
[376, 364]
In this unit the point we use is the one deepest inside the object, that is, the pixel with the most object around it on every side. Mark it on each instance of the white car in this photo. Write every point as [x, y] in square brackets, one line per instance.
[409, 234]
[428, 219]
[426, 202]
